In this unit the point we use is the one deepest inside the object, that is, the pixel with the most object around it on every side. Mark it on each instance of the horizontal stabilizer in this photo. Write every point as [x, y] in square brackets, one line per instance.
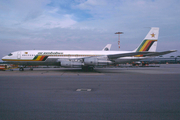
[144, 53]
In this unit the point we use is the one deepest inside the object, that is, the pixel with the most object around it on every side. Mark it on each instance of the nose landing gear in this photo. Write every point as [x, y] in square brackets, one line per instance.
[22, 68]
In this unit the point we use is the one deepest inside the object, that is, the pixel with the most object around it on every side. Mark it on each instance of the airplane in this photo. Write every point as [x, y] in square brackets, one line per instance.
[107, 47]
[85, 59]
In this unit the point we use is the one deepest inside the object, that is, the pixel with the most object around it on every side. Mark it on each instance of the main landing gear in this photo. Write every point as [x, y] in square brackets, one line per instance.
[87, 68]
[31, 68]
[22, 68]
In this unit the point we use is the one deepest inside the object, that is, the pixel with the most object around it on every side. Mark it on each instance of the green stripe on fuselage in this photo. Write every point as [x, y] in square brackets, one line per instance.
[35, 57]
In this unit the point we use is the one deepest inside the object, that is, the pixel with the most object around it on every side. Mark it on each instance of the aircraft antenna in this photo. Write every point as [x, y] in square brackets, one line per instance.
[119, 38]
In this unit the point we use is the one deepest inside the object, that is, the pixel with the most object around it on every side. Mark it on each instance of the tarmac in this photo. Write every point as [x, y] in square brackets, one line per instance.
[103, 94]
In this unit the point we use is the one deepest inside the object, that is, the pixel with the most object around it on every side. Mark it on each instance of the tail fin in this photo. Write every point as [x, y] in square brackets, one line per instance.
[107, 47]
[150, 41]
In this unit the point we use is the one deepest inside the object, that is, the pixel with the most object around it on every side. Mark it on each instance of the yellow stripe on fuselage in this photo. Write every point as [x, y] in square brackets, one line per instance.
[38, 58]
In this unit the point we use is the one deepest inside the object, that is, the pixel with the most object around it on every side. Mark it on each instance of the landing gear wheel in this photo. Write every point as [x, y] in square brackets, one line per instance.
[21, 69]
[87, 68]
[90, 68]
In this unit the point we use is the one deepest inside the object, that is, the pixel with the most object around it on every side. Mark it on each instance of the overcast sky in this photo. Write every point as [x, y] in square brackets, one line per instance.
[86, 24]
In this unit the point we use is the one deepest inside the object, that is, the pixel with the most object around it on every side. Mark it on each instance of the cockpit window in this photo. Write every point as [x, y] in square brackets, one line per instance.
[10, 54]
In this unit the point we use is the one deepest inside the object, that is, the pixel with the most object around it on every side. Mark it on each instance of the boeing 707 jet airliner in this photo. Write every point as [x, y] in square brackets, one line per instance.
[86, 59]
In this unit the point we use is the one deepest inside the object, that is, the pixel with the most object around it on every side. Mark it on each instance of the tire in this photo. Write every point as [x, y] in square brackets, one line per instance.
[21, 69]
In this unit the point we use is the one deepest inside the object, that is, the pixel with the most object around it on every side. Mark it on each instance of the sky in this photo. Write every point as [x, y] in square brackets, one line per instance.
[86, 24]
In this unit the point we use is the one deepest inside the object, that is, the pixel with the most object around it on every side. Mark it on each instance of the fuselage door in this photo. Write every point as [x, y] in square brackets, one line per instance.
[18, 55]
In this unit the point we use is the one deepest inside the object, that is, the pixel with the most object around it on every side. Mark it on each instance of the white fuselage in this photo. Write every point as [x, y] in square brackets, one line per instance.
[52, 57]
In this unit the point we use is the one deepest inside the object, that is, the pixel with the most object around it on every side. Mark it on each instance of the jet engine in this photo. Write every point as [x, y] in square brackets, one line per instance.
[73, 64]
[97, 61]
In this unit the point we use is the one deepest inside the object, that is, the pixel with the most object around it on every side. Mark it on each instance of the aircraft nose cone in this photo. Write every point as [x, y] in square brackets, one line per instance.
[3, 58]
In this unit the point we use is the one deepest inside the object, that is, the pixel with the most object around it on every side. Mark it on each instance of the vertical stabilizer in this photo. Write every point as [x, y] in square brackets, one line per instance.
[107, 47]
[150, 41]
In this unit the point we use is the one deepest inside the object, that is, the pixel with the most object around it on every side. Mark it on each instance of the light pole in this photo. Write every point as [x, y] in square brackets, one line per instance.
[119, 38]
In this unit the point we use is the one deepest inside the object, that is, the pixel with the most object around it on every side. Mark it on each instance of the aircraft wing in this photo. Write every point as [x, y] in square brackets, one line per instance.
[144, 53]
[115, 56]
[160, 53]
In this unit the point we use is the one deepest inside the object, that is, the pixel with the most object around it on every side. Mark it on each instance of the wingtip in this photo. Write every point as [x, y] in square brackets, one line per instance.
[173, 50]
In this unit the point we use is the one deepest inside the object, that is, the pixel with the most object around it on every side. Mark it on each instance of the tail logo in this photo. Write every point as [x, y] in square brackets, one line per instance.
[150, 41]
[152, 35]
[145, 46]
